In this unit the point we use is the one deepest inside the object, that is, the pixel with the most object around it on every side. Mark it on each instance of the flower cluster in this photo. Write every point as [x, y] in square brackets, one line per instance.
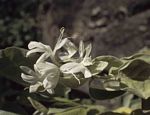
[53, 64]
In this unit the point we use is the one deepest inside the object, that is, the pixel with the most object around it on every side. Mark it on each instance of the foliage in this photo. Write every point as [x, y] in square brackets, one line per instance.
[50, 74]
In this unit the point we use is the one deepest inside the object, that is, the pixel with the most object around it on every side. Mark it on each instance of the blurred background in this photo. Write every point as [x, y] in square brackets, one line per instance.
[114, 27]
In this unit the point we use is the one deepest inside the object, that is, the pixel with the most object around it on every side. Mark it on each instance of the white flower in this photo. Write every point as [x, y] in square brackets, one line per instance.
[85, 53]
[71, 50]
[73, 67]
[80, 64]
[45, 75]
[35, 47]
[47, 52]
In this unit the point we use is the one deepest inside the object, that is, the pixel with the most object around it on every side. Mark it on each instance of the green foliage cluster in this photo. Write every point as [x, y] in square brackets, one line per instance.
[107, 76]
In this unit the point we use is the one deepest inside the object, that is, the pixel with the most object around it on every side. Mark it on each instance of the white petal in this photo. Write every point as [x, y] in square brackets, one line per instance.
[72, 67]
[87, 61]
[86, 72]
[46, 66]
[28, 70]
[88, 50]
[43, 58]
[71, 48]
[34, 51]
[81, 49]
[61, 34]
[50, 91]
[68, 67]
[34, 44]
[29, 78]
[50, 82]
[60, 44]
[34, 88]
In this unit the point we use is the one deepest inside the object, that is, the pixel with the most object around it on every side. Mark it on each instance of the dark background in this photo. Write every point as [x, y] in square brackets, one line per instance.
[117, 27]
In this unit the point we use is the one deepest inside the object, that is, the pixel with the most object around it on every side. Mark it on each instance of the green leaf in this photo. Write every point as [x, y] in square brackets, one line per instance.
[139, 88]
[112, 61]
[10, 61]
[54, 110]
[135, 56]
[74, 111]
[136, 69]
[38, 106]
[100, 94]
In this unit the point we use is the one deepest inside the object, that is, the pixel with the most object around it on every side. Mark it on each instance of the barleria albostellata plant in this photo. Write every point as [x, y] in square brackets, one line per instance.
[53, 72]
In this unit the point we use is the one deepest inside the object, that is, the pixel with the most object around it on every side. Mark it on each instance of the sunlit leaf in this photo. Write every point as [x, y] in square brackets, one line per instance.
[139, 88]
[74, 111]
[112, 61]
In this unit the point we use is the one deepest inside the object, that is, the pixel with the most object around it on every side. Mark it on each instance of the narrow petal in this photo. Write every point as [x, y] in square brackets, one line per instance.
[60, 44]
[71, 48]
[68, 67]
[73, 68]
[28, 70]
[88, 50]
[81, 49]
[34, 44]
[50, 91]
[34, 51]
[86, 72]
[34, 88]
[50, 82]
[47, 83]
[87, 61]
[46, 66]
[29, 78]
[43, 58]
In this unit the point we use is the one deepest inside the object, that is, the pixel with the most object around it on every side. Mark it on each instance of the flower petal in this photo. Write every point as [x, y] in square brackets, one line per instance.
[28, 70]
[60, 44]
[34, 88]
[46, 66]
[71, 67]
[29, 78]
[43, 58]
[34, 51]
[34, 44]
[50, 91]
[88, 50]
[50, 82]
[81, 49]
[86, 72]
[71, 48]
